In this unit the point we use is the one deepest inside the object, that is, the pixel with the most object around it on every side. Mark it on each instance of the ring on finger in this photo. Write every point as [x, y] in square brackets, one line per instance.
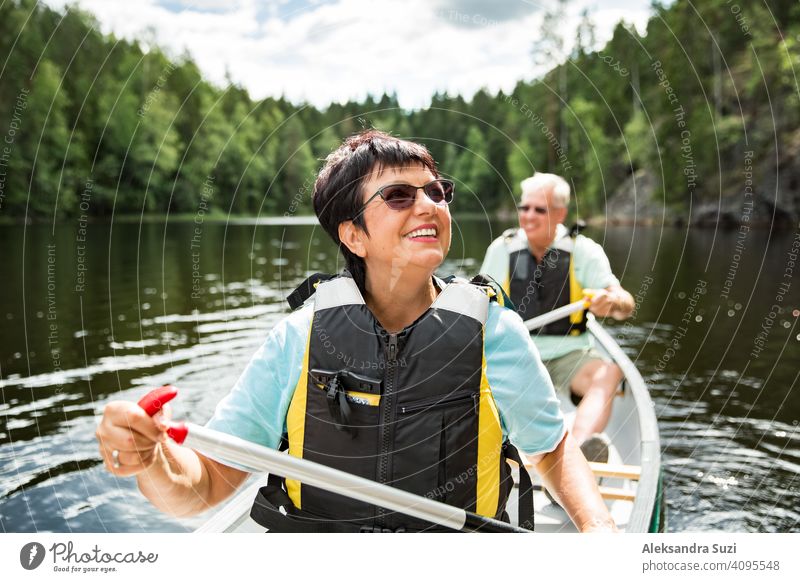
[115, 459]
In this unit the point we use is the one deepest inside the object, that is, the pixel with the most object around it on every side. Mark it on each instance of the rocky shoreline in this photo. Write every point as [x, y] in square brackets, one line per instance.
[639, 201]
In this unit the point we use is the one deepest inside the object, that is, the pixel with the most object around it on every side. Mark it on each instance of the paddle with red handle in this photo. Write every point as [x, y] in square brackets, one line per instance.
[262, 459]
[155, 400]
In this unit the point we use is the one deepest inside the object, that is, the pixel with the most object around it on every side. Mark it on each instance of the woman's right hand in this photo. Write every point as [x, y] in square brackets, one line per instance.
[137, 437]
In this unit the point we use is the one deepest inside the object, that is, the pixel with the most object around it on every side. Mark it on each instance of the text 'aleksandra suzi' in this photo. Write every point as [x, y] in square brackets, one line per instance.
[694, 548]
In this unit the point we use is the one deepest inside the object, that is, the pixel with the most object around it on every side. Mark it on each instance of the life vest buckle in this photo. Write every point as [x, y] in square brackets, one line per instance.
[333, 388]
[338, 405]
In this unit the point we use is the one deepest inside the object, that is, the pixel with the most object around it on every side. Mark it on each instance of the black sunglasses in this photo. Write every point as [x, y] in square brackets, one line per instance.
[536, 209]
[403, 196]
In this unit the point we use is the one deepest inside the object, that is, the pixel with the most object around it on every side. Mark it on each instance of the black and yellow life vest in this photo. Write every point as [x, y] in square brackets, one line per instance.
[538, 288]
[413, 410]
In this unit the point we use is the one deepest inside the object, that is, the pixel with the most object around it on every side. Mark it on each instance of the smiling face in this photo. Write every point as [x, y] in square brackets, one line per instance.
[413, 241]
[540, 228]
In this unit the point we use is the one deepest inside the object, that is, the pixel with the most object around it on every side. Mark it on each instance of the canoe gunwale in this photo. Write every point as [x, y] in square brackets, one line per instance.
[648, 488]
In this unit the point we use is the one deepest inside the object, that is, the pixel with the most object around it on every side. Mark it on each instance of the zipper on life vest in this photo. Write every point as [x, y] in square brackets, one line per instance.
[439, 402]
[387, 403]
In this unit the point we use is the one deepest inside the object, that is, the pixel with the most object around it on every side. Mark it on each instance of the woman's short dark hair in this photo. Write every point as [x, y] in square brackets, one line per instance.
[337, 191]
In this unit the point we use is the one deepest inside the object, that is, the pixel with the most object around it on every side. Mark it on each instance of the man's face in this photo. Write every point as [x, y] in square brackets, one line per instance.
[539, 217]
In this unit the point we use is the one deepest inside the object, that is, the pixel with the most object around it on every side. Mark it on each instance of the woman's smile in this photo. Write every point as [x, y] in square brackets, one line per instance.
[424, 233]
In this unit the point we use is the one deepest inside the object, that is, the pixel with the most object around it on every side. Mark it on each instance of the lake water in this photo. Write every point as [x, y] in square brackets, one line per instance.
[97, 312]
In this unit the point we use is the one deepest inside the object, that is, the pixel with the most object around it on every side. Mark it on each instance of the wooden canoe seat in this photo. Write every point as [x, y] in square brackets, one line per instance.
[615, 470]
[616, 493]
[618, 471]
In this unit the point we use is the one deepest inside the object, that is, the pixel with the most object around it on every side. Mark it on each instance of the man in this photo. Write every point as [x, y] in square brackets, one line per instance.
[542, 266]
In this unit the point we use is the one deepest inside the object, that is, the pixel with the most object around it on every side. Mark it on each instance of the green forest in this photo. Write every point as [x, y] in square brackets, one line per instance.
[93, 125]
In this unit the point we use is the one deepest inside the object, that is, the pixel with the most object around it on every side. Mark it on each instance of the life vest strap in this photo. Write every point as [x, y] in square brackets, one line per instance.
[306, 289]
[576, 228]
[273, 510]
[497, 294]
[349, 294]
[525, 503]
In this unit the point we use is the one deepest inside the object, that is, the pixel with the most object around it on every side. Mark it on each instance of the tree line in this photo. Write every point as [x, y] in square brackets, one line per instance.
[95, 124]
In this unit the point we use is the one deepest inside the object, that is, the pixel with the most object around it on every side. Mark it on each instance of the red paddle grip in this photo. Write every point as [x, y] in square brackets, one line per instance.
[155, 400]
[178, 432]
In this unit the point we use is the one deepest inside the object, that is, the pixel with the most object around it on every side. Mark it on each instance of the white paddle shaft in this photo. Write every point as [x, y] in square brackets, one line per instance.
[555, 315]
[258, 458]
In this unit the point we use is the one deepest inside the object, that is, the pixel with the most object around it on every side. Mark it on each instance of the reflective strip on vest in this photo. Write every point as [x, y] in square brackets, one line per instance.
[296, 424]
[490, 441]
[575, 294]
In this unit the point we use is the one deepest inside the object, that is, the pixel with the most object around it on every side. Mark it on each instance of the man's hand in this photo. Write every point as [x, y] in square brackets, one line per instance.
[613, 301]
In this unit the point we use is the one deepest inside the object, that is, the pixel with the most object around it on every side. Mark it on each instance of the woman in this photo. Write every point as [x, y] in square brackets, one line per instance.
[389, 373]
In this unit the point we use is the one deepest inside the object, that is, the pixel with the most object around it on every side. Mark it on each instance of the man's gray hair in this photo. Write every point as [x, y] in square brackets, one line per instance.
[541, 181]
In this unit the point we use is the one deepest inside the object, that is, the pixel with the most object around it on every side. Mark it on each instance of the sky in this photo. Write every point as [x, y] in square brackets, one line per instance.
[324, 51]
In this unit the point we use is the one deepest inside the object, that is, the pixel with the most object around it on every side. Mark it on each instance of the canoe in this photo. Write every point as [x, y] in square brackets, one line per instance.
[631, 481]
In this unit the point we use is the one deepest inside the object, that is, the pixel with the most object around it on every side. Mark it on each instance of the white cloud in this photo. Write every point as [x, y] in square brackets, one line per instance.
[338, 50]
